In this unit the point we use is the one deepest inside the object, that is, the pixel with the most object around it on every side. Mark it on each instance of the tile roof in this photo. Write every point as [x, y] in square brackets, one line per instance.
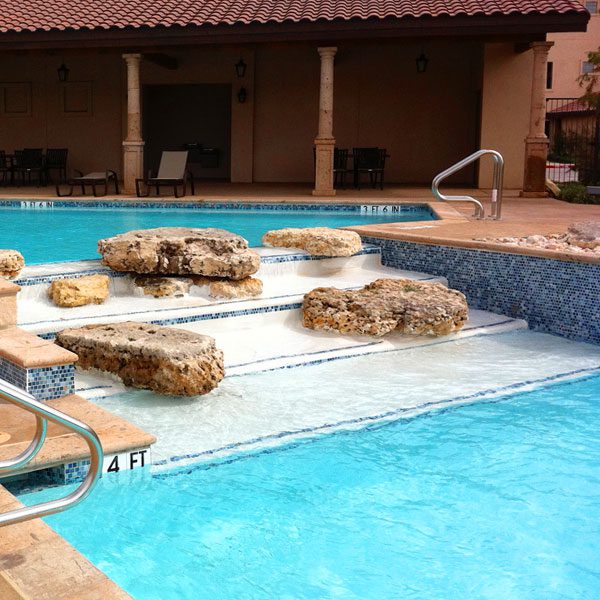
[49, 15]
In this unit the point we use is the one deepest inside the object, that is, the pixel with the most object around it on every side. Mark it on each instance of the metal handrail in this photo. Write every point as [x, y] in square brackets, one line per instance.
[497, 184]
[43, 413]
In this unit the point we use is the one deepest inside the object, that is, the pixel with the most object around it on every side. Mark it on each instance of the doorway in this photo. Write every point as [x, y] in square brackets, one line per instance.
[196, 117]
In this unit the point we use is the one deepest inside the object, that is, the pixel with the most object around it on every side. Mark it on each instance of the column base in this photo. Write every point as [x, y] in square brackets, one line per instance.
[536, 155]
[324, 150]
[133, 164]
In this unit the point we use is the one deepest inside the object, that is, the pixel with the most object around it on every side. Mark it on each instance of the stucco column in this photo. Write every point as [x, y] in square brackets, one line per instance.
[133, 145]
[325, 142]
[536, 143]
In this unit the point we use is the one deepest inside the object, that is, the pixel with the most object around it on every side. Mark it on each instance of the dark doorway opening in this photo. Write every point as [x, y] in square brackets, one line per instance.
[196, 117]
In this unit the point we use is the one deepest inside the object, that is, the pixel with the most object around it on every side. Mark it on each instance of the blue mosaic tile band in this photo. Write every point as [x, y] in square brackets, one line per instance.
[44, 383]
[553, 296]
[210, 205]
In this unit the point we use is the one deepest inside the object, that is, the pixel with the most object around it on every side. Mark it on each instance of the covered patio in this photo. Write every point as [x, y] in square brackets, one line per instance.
[264, 96]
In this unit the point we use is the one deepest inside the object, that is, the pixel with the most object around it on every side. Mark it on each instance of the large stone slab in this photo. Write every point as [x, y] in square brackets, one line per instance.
[317, 241]
[11, 263]
[180, 251]
[163, 359]
[79, 291]
[385, 305]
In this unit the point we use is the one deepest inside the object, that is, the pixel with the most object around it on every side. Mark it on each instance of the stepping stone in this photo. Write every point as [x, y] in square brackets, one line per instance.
[386, 305]
[90, 289]
[180, 251]
[163, 359]
[317, 241]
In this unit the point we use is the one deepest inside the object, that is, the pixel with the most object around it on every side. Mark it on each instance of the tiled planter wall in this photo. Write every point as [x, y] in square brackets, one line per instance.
[554, 296]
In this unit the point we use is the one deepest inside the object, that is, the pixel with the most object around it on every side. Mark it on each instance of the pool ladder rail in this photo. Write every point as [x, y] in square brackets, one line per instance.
[44, 413]
[497, 184]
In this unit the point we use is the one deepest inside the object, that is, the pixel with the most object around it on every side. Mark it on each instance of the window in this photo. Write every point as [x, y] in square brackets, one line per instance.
[549, 74]
[591, 6]
[587, 67]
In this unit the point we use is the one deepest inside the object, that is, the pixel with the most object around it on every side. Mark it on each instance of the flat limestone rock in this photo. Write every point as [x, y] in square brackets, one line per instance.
[11, 263]
[317, 241]
[163, 287]
[386, 305]
[90, 289]
[244, 288]
[163, 359]
[585, 234]
[180, 251]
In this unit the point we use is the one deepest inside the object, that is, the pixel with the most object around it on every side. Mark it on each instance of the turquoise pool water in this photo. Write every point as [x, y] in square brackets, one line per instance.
[495, 500]
[59, 234]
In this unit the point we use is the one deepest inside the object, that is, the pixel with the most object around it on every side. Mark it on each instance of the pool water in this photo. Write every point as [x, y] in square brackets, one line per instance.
[59, 234]
[497, 500]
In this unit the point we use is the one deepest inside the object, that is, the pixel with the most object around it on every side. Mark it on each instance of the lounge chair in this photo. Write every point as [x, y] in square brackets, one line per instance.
[172, 172]
[91, 179]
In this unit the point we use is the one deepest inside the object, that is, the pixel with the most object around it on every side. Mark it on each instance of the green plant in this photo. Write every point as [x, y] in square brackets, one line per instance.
[577, 194]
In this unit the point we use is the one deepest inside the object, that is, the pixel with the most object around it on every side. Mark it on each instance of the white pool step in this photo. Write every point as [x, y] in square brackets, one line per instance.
[286, 276]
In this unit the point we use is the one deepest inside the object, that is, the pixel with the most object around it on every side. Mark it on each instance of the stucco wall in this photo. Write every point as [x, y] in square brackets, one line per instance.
[506, 102]
[569, 51]
[93, 138]
[426, 121]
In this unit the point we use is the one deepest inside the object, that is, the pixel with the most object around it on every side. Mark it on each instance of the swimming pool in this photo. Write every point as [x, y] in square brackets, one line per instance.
[494, 500]
[57, 231]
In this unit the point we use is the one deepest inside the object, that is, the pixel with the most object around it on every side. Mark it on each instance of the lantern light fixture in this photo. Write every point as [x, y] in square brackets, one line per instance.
[242, 95]
[63, 73]
[240, 68]
[422, 62]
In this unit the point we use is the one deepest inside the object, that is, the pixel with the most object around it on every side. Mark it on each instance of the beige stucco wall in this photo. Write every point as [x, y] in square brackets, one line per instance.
[426, 121]
[505, 110]
[569, 51]
[93, 139]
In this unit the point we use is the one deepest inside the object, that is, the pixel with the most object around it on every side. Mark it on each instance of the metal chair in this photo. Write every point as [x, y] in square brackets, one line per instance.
[340, 166]
[28, 162]
[172, 171]
[56, 159]
[371, 161]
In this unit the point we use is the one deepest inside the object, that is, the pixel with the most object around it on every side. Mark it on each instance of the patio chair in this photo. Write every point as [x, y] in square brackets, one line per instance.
[97, 178]
[340, 166]
[28, 162]
[172, 171]
[371, 161]
[56, 160]
[5, 168]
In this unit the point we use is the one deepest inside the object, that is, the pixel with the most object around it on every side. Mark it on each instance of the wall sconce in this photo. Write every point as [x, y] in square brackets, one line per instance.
[63, 73]
[240, 68]
[242, 95]
[422, 62]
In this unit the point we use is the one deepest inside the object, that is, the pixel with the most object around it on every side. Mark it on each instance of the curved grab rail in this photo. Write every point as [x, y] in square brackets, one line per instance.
[496, 186]
[31, 451]
[44, 413]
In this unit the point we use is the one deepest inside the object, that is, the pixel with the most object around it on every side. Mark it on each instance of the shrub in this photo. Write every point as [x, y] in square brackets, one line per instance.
[577, 193]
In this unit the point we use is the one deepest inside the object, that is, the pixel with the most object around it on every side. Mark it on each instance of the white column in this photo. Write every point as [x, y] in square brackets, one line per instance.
[325, 142]
[536, 143]
[133, 145]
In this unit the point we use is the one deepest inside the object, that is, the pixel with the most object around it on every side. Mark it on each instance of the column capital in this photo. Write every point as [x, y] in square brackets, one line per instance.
[131, 57]
[327, 51]
[541, 46]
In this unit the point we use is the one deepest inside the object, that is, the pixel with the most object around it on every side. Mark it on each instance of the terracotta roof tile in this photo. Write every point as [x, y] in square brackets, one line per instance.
[45, 15]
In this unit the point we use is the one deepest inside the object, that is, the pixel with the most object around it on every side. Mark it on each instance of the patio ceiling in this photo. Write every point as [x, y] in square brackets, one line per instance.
[48, 23]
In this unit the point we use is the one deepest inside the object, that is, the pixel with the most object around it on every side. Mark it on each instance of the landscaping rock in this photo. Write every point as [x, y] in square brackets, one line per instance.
[386, 305]
[180, 251]
[163, 287]
[163, 359]
[585, 234]
[317, 241]
[68, 293]
[244, 288]
[11, 263]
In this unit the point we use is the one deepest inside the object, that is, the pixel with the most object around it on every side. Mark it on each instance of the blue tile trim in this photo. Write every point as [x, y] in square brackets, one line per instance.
[428, 214]
[44, 383]
[553, 296]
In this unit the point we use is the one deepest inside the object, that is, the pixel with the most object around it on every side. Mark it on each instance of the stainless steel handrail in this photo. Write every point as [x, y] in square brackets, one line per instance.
[497, 184]
[43, 413]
